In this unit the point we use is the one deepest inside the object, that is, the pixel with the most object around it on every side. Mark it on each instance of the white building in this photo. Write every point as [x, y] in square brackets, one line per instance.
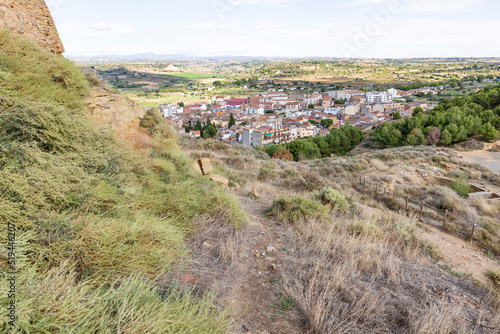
[254, 110]
[333, 110]
[170, 110]
[374, 97]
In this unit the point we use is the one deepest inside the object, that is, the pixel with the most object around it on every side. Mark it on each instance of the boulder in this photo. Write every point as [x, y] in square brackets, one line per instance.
[206, 166]
[255, 194]
[196, 167]
[219, 180]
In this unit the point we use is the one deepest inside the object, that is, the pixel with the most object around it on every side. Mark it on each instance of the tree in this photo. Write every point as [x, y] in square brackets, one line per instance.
[418, 110]
[181, 104]
[434, 136]
[312, 121]
[231, 122]
[389, 135]
[327, 123]
[284, 154]
[396, 115]
[489, 132]
[310, 106]
[446, 137]
[409, 99]
[210, 132]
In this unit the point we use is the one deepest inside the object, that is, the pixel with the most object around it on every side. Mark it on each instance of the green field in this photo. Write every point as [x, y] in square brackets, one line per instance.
[191, 76]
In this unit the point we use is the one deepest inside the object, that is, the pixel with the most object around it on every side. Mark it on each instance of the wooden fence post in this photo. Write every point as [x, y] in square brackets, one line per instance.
[394, 194]
[385, 191]
[376, 188]
[406, 205]
[472, 234]
[445, 218]
[421, 210]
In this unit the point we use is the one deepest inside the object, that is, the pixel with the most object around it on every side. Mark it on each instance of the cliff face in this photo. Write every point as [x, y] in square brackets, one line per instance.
[32, 19]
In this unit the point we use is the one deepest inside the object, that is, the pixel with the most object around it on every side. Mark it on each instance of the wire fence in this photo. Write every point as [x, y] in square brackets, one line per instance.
[427, 212]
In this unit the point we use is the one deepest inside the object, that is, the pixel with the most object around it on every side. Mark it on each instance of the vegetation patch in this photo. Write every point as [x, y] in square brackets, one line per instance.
[296, 209]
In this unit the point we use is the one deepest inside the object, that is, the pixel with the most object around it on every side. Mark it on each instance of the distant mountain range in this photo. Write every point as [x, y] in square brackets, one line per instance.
[162, 57]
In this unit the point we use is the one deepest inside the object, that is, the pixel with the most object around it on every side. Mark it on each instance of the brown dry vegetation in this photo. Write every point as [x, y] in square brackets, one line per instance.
[365, 268]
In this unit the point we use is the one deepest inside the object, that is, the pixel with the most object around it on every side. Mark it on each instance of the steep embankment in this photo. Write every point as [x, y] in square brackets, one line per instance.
[96, 228]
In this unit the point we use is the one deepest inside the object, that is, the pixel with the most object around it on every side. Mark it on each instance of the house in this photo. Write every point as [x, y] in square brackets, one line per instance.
[352, 109]
[389, 108]
[235, 103]
[179, 130]
[254, 110]
[335, 110]
[170, 109]
[345, 94]
[292, 107]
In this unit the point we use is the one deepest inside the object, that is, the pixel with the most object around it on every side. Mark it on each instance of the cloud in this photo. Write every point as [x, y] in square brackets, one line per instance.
[96, 30]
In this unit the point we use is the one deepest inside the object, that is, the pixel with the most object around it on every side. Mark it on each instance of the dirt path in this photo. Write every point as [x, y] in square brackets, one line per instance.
[484, 157]
[249, 286]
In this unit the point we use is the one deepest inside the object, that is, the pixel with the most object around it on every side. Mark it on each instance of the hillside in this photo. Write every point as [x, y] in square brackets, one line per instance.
[343, 259]
[95, 229]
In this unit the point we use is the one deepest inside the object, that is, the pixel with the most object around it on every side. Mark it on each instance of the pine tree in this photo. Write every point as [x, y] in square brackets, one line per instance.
[231, 121]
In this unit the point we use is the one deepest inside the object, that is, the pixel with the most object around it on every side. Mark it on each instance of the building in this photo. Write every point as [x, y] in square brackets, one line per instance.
[292, 107]
[389, 108]
[378, 97]
[352, 109]
[266, 134]
[335, 110]
[170, 110]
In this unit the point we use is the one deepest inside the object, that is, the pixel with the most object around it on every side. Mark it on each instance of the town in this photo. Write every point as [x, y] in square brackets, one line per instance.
[275, 117]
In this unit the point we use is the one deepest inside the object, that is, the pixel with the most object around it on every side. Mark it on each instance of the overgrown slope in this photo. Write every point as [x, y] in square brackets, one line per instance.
[97, 227]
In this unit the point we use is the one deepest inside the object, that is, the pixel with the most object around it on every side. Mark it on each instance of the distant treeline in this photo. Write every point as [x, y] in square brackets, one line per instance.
[338, 141]
[452, 121]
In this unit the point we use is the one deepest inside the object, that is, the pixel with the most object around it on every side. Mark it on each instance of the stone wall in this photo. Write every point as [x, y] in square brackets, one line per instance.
[32, 19]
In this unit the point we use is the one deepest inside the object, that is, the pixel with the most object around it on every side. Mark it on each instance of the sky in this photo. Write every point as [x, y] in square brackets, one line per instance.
[280, 28]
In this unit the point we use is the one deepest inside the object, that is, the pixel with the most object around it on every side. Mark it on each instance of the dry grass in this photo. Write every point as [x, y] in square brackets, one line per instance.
[376, 280]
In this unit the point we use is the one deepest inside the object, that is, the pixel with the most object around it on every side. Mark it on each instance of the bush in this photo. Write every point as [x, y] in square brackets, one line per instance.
[293, 210]
[283, 154]
[461, 187]
[333, 198]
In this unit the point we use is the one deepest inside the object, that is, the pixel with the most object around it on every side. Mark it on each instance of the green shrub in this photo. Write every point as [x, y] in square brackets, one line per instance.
[336, 200]
[295, 209]
[461, 187]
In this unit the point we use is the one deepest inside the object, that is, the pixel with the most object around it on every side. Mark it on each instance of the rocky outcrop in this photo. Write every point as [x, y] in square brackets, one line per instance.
[32, 19]
[108, 109]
